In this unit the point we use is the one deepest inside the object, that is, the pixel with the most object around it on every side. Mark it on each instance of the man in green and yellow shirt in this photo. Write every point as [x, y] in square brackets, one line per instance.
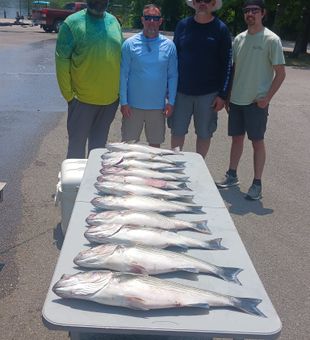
[88, 53]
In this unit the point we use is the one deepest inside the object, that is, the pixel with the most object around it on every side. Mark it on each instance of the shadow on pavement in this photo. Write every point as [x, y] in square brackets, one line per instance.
[241, 206]
[58, 236]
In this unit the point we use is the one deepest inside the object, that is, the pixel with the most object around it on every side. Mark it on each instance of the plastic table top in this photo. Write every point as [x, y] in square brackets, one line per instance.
[84, 316]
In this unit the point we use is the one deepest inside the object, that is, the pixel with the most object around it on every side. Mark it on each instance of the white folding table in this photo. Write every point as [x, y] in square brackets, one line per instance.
[77, 316]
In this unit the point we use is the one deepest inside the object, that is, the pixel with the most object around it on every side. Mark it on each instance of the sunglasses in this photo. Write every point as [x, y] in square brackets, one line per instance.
[152, 17]
[254, 10]
[205, 1]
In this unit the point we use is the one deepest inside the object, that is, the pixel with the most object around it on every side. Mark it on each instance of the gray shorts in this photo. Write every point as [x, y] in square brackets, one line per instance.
[154, 122]
[249, 119]
[200, 107]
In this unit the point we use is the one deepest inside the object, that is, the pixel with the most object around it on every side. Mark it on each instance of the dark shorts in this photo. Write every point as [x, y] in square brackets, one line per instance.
[200, 107]
[248, 119]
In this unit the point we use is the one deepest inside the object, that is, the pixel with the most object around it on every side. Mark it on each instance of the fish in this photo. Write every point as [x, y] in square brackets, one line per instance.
[145, 173]
[141, 156]
[132, 163]
[120, 189]
[150, 261]
[140, 148]
[132, 235]
[143, 292]
[156, 183]
[146, 219]
[143, 203]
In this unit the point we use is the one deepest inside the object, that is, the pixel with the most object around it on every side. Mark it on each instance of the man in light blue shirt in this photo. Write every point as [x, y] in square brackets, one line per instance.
[149, 78]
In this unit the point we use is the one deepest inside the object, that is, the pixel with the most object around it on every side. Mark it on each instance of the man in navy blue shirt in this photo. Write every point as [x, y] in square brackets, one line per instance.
[203, 44]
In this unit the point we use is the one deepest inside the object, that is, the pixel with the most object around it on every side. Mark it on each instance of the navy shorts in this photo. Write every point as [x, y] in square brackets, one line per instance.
[200, 107]
[249, 119]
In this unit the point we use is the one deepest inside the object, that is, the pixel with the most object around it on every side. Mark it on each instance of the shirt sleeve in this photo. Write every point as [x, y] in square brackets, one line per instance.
[63, 54]
[276, 52]
[172, 75]
[125, 67]
[226, 57]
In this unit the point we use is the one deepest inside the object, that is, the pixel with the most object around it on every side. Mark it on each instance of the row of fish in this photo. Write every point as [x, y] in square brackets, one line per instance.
[133, 225]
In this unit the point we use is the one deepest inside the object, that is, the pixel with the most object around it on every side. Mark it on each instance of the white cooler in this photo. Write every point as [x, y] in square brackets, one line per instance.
[69, 180]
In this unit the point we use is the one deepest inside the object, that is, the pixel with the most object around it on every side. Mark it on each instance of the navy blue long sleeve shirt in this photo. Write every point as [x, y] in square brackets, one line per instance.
[204, 57]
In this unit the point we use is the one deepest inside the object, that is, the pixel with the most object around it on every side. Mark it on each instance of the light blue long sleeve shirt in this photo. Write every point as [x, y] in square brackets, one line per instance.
[149, 72]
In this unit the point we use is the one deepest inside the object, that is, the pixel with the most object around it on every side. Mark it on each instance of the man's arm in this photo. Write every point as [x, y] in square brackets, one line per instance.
[172, 80]
[125, 68]
[275, 85]
[63, 53]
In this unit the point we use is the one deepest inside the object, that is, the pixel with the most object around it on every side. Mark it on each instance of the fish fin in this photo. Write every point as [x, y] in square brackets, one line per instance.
[230, 274]
[184, 186]
[135, 303]
[215, 244]
[202, 226]
[248, 305]
[187, 269]
[172, 169]
[177, 150]
[135, 268]
[199, 305]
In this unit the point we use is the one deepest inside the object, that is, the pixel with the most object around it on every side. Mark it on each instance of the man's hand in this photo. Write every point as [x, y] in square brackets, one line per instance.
[168, 110]
[262, 102]
[125, 110]
[218, 104]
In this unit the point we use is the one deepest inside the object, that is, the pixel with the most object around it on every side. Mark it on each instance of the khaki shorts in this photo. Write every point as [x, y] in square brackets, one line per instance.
[154, 122]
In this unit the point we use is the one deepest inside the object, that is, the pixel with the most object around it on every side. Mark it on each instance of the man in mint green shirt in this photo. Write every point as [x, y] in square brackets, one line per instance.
[88, 54]
[258, 74]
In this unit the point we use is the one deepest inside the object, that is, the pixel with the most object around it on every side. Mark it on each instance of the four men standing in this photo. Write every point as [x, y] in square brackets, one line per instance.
[153, 69]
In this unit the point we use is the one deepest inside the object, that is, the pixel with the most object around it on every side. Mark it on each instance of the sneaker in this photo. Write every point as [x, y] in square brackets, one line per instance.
[228, 181]
[255, 192]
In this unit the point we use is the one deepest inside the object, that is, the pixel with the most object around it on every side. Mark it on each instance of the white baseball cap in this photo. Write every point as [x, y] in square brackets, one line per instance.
[218, 4]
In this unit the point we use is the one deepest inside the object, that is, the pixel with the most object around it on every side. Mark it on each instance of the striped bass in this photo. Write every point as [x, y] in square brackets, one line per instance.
[149, 260]
[146, 219]
[141, 156]
[145, 173]
[143, 292]
[132, 163]
[156, 183]
[120, 189]
[140, 148]
[143, 203]
[132, 235]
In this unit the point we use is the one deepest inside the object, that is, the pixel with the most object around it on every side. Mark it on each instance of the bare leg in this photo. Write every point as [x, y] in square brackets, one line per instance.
[236, 151]
[177, 141]
[202, 146]
[259, 157]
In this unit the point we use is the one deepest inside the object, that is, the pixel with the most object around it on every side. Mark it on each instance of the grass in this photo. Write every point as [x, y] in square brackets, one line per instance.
[302, 61]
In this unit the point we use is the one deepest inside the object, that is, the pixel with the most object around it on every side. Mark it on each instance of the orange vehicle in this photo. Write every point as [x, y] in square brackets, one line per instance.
[50, 19]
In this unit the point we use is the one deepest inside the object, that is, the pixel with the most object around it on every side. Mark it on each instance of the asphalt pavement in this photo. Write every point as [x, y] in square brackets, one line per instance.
[274, 230]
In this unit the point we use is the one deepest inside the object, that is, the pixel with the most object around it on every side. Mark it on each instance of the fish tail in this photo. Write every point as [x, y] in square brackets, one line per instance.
[215, 244]
[248, 305]
[197, 209]
[230, 274]
[179, 163]
[186, 198]
[202, 226]
[184, 186]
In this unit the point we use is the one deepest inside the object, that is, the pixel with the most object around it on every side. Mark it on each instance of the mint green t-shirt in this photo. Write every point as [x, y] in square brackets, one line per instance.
[254, 56]
[88, 56]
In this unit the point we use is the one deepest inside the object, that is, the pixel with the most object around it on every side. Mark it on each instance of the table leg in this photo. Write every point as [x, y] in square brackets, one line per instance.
[74, 335]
